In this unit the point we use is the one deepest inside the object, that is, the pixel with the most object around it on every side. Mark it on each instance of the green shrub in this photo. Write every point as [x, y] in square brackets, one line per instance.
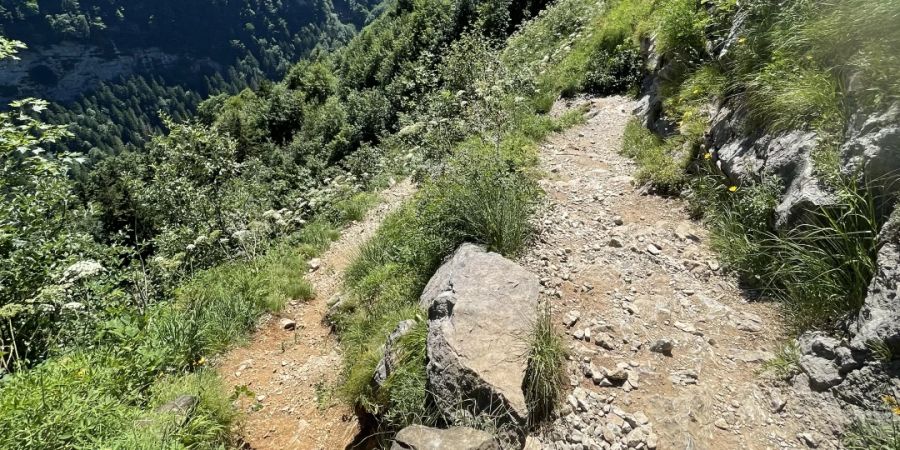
[786, 363]
[617, 71]
[354, 208]
[489, 203]
[822, 268]
[545, 378]
[70, 402]
[208, 425]
[740, 219]
[315, 236]
[786, 96]
[679, 26]
[874, 434]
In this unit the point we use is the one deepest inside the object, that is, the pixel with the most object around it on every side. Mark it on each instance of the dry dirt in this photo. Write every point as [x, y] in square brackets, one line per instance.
[291, 375]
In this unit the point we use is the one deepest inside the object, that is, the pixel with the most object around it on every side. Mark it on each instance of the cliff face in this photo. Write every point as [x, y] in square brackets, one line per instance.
[868, 153]
[61, 72]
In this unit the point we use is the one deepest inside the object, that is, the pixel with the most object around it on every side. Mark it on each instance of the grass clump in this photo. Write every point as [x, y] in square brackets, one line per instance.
[876, 433]
[786, 363]
[545, 378]
[353, 208]
[820, 269]
[105, 395]
[661, 163]
[783, 96]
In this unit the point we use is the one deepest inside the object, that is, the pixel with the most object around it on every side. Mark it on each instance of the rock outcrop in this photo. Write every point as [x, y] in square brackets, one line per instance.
[388, 361]
[418, 437]
[872, 150]
[481, 308]
[879, 318]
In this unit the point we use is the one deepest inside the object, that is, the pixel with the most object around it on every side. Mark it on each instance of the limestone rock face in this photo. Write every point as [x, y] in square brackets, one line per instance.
[872, 150]
[481, 308]
[879, 317]
[418, 437]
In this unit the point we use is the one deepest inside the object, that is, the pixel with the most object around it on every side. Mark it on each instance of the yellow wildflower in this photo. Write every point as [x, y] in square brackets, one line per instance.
[742, 40]
[82, 372]
[732, 189]
[201, 361]
[889, 400]
[707, 155]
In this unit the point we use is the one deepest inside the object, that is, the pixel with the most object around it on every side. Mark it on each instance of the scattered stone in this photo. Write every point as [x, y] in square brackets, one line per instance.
[635, 438]
[288, 324]
[532, 443]
[684, 377]
[619, 374]
[817, 343]
[652, 441]
[776, 402]
[808, 439]
[617, 220]
[687, 328]
[823, 374]
[615, 243]
[314, 264]
[182, 408]
[418, 437]
[663, 346]
[748, 326]
[571, 318]
[653, 250]
[721, 424]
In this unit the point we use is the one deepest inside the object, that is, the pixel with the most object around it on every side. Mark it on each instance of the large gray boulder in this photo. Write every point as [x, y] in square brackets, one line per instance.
[481, 308]
[878, 320]
[418, 437]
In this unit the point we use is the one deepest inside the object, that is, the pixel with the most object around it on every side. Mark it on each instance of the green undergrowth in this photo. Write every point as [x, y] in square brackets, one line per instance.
[486, 195]
[819, 269]
[105, 395]
[661, 164]
[876, 433]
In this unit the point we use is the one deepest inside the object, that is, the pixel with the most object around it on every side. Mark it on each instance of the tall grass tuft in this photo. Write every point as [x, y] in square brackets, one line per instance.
[820, 269]
[661, 164]
[545, 377]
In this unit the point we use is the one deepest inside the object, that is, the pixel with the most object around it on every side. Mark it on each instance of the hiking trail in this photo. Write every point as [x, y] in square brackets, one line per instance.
[630, 277]
[292, 374]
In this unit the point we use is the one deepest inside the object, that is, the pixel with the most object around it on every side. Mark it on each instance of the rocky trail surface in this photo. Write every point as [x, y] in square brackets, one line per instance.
[666, 352]
[288, 372]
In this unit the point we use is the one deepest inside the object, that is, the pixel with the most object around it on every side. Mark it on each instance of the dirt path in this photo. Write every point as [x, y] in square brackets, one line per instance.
[636, 271]
[291, 374]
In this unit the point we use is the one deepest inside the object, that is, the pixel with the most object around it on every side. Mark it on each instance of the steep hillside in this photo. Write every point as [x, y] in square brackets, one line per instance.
[532, 289]
[113, 66]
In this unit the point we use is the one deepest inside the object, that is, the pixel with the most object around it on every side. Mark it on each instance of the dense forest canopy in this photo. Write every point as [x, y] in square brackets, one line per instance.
[148, 57]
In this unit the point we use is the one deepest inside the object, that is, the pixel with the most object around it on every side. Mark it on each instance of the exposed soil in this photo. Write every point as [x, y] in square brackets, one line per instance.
[634, 268]
[637, 270]
[290, 375]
